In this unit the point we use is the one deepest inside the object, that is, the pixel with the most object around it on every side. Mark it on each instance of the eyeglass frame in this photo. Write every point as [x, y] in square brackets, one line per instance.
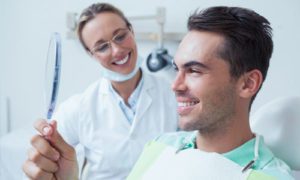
[93, 51]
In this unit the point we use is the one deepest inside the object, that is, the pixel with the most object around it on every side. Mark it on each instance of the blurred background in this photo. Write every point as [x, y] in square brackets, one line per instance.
[26, 27]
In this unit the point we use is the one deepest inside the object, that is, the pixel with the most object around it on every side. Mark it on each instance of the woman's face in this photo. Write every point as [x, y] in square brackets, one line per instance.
[111, 42]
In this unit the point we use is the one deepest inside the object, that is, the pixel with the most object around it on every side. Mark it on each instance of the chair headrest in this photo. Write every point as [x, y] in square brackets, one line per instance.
[279, 123]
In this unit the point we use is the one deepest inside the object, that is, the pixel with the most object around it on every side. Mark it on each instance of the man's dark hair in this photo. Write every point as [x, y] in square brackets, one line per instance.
[247, 36]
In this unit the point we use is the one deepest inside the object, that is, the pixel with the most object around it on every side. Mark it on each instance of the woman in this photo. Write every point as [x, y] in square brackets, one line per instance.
[114, 117]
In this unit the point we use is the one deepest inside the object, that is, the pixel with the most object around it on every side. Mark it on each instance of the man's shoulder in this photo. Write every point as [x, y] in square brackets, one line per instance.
[271, 165]
[74, 104]
[176, 139]
[87, 93]
[278, 168]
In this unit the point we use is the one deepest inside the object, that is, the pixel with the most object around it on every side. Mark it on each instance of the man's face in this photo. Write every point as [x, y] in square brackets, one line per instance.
[205, 91]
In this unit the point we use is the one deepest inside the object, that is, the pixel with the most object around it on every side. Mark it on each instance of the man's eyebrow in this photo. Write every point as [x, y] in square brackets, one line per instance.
[195, 63]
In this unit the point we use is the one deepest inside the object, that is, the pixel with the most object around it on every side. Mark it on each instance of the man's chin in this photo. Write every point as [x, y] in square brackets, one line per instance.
[186, 125]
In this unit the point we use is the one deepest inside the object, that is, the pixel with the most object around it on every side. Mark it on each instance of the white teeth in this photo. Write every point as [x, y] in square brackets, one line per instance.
[186, 104]
[122, 61]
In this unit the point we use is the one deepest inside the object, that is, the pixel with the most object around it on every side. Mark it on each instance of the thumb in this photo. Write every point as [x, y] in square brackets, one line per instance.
[57, 141]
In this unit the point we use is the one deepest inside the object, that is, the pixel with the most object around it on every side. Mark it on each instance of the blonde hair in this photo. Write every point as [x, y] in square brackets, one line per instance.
[90, 13]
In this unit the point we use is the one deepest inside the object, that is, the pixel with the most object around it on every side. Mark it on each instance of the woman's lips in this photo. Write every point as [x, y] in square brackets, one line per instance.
[122, 61]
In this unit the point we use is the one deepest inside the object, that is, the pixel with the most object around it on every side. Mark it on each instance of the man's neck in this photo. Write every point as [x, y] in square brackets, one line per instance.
[221, 141]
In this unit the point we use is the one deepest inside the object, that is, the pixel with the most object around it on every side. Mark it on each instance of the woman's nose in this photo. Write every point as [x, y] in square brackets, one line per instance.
[115, 48]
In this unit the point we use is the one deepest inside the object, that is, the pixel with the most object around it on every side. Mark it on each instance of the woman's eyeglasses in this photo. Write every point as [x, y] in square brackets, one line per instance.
[104, 48]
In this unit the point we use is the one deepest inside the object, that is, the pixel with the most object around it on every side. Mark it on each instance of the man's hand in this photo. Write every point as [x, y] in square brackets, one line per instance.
[50, 156]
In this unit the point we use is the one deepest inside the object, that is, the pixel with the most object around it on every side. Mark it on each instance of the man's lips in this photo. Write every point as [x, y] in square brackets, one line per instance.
[184, 107]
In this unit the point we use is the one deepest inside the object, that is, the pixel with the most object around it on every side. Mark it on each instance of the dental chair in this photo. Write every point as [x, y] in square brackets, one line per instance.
[279, 123]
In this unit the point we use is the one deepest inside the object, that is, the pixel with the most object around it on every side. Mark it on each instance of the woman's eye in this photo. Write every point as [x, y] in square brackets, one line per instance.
[120, 38]
[102, 48]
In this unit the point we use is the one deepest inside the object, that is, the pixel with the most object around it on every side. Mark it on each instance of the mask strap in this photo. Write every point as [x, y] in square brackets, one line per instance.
[256, 156]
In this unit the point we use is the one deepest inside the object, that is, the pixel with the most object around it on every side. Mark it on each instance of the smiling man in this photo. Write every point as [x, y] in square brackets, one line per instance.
[221, 64]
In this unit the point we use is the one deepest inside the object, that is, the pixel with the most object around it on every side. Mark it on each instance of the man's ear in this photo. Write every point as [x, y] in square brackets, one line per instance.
[249, 83]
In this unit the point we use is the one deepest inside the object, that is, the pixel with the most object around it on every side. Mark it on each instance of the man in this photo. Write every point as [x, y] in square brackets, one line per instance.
[221, 64]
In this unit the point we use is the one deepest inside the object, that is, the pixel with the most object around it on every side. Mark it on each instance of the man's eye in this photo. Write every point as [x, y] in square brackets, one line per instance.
[174, 66]
[191, 70]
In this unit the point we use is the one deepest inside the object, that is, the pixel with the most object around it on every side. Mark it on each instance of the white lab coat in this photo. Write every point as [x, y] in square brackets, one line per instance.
[111, 144]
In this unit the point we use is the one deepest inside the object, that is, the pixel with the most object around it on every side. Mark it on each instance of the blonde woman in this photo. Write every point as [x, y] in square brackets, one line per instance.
[114, 117]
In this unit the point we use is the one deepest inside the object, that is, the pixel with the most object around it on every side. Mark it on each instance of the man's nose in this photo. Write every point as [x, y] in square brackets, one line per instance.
[179, 82]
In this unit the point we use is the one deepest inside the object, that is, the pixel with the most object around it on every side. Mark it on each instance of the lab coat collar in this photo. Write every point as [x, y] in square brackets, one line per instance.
[104, 86]
[144, 101]
[145, 98]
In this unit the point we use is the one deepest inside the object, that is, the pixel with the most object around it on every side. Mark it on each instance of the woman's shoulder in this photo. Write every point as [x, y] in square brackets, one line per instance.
[84, 96]
[157, 82]
[155, 78]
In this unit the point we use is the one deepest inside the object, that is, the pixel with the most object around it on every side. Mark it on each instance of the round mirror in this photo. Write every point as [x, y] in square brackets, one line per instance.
[52, 73]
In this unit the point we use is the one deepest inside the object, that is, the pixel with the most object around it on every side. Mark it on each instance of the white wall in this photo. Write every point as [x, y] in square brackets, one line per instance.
[26, 27]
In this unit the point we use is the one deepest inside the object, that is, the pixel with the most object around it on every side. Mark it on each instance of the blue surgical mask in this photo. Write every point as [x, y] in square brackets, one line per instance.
[114, 76]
